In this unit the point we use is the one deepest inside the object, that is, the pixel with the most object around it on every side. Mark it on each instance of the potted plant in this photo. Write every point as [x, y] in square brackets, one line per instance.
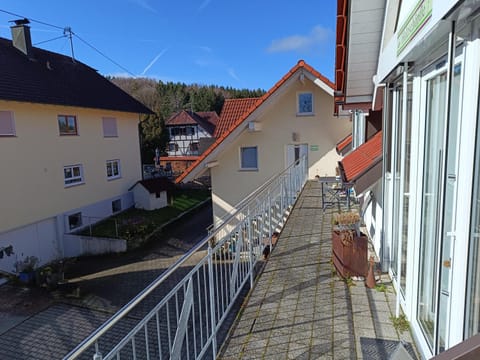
[349, 245]
[25, 269]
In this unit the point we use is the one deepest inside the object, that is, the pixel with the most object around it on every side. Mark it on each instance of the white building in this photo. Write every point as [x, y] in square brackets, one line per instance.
[264, 136]
[423, 57]
[69, 149]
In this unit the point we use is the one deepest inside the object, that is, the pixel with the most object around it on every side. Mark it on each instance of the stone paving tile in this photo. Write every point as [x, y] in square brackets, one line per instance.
[317, 315]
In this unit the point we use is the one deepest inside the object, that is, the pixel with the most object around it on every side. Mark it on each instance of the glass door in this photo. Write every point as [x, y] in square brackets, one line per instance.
[433, 159]
[438, 206]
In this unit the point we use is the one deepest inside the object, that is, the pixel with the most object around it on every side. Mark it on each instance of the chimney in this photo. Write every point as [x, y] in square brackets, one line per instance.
[21, 36]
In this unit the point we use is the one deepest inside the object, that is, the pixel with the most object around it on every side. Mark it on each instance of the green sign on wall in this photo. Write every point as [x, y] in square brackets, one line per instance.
[415, 21]
[313, 147]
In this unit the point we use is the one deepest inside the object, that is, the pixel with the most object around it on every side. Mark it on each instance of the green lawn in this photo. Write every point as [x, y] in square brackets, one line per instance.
[135, 224]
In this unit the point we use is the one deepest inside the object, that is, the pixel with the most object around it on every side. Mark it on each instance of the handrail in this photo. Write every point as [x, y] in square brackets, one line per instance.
[91, 340]
[224, 218]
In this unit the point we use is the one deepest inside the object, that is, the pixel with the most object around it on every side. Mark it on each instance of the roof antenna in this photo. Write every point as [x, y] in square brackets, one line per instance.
[68, 31]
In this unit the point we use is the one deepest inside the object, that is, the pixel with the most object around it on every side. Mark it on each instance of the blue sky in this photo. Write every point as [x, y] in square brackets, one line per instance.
[243, 44]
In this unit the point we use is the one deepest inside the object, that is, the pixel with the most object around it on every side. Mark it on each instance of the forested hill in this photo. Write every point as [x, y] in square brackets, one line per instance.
[166, 99]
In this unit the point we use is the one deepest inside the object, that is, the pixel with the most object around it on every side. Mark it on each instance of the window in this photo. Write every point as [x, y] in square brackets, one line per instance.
[193, 146]
[113, 169]
[157, 195]
[172, 147]
[305, 103]
[75, 221]
[67, 124]
[73, 175]
[109, 127]
[190, 130]
[116, 205]
[248, 158]
[7, 125]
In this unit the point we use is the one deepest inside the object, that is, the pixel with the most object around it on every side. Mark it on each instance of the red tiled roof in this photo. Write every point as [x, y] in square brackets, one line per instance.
[300, 65]
[232, 110]
[342, 144]
[362, 158]
[206, 119]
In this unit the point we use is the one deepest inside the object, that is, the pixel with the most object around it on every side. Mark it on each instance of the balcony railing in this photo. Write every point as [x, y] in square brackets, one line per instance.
[181, 313]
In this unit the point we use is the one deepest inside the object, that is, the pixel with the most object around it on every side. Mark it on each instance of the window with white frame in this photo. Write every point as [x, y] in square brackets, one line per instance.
[305, 103]
[7, 124]
[109, 127]
[116, 205]
[194, 146]
[113, 169]
[67, 125]
[248, 158]
[73, 175]
[75, 221]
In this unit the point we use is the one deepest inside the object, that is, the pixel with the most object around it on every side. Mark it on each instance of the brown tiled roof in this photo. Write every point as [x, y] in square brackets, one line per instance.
[342, 144]
[300, 65]
[51, 78]
[206, 119]
[231, 111]
[155, 185]
[362, 158]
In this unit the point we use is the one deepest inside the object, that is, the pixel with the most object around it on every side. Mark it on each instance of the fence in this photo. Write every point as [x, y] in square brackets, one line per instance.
[181, 313]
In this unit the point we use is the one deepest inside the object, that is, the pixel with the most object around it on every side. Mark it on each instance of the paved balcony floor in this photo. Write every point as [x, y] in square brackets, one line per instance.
[301, 309]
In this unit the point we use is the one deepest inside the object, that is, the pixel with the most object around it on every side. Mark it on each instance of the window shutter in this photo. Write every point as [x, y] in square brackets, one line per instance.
[109, 127]
[7, 125]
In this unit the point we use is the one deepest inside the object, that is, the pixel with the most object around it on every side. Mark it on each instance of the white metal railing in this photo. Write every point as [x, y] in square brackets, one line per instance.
[180, 314]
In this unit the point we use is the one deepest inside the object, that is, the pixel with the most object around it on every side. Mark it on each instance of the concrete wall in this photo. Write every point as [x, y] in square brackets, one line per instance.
[280, 127]
[84, 245]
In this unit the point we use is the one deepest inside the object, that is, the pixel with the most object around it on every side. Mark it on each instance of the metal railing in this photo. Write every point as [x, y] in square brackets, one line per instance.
[181, 313]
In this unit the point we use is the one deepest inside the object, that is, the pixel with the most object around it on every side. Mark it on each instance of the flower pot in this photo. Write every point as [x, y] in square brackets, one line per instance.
[350, 253]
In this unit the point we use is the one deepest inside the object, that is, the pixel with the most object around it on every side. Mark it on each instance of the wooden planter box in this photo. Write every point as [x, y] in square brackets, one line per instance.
[350, 258]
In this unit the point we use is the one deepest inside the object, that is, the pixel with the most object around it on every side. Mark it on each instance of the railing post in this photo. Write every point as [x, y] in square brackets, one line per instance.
[250, 247]
[97, 355]
[212, 301]
[270, 219]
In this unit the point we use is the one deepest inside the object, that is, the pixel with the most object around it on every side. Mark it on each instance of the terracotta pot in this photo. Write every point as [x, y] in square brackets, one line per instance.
[350, 257]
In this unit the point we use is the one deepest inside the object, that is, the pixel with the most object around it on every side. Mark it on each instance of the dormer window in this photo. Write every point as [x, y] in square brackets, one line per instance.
[305, 103]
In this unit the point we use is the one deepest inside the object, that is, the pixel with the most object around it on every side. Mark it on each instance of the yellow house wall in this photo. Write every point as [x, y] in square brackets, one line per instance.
[32, 181]
[230, 185]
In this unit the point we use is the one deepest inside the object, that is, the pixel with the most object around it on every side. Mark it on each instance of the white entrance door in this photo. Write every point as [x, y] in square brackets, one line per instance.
[295, 153]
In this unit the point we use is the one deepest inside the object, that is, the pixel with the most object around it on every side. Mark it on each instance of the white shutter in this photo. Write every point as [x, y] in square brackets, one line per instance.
[7, 125]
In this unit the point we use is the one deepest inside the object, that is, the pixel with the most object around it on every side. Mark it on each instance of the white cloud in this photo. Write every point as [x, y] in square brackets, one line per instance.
[301, 43]
[153, 61]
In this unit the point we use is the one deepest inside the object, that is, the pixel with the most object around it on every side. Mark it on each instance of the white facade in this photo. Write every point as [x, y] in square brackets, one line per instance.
[295, 119]
[431, 230]
[55, 183]
[149, 201]
[185, 140]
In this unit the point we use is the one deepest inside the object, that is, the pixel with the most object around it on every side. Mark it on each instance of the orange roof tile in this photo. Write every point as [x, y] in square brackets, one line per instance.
[232, 110]
[300, 65]
[342, 144]
[362, 158]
